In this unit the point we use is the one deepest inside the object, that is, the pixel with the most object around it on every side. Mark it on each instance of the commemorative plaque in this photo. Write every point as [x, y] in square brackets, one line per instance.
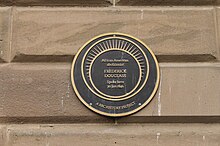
[115, 74]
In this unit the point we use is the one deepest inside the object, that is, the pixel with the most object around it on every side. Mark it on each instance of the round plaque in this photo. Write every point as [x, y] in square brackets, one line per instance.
[115, 74]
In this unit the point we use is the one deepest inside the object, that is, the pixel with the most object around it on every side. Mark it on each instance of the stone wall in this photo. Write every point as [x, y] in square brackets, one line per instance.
[39, 38]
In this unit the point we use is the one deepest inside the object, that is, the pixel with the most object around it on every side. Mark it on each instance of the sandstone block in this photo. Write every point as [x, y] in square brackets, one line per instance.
[62, 31]
[2, 135]
[41, 90]
[43, 93]
[218, 27]
[167, 2]
[5, 26]
[123, 135]
[61, 3]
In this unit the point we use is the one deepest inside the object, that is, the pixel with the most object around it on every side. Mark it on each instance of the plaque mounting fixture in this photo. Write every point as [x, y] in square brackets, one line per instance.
[115, 74]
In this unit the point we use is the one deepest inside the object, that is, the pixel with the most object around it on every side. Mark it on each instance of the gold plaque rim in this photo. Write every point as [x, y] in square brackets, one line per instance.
[126, 113]
[129, 95]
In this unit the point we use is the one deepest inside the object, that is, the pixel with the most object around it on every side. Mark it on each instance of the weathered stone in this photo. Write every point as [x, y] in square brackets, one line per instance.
[218, 27]
[62, 31]
[185, 90]
[167, 2]
[119, 134]
[107, 2]
[41, 90]
[55, 2]
[96, 3]
[5, 34]
[5, 2]
[2, 135]
[190, 90]
[43, 93]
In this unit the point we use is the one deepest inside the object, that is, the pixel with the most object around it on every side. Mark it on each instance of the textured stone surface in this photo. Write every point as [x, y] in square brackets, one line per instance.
[185, 90]
[108, 2]
[167, 2]
[45, 91]
[108, 135]
[55, 2]
[5, 2]
[4, 34]
[40, 90]
[190, 90]
[218, 28]
[62, 31]
[2, 135]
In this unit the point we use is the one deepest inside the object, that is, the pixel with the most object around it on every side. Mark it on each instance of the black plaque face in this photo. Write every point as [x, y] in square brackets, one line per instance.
[115, 74]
